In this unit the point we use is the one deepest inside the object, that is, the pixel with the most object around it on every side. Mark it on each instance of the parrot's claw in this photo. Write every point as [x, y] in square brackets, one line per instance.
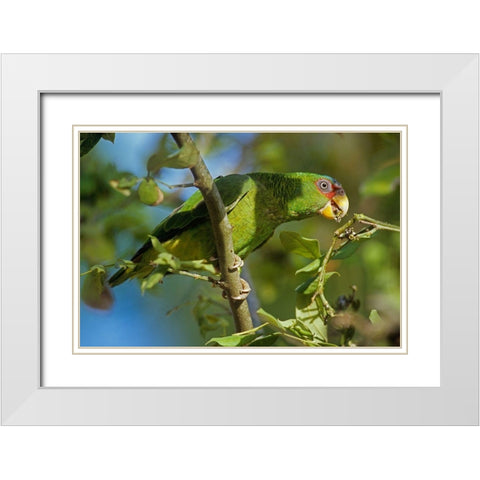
[243, 292]
[238, 264]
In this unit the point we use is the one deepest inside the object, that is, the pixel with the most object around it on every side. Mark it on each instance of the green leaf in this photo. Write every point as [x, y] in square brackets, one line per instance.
[149, 192]
[299, 328]
[94, 292]
[234, 340]
[308, 327]
[319, 330]
[374, 317]
[214, 322]
[127, 264]
[128, 182]
[109, 136]
[122, 263]
[382, 182]
[124, 191]
[156, 244]
[208, 323]
[311, 267]
[268, 318]
[154, 163]
[309, 286]
[329, 275]
[88, 141]
[168, 260]
[287, 324]
[346, 250]
[201, 265]
[295, 243]
[186, 157]
[151, 281]
[265, 340]
[306, 309]
[310, 314]
[124, 185]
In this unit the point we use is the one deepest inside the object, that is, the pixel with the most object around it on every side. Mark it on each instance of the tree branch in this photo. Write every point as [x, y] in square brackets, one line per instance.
[347, 234]
[222, 234]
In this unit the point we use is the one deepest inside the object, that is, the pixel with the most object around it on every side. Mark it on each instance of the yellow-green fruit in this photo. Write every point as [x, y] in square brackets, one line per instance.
[149, 193]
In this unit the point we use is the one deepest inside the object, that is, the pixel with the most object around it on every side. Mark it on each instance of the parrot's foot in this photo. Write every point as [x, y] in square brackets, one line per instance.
[243, 292]
[238, 264]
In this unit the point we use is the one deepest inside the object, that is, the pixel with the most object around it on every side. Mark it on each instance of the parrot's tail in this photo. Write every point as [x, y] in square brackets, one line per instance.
[123, 274]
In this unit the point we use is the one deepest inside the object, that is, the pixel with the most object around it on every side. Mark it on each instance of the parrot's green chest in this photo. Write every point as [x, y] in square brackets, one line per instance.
[252, 223]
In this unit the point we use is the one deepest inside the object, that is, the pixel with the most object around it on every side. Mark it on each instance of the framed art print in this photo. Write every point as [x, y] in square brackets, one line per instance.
[192, 245]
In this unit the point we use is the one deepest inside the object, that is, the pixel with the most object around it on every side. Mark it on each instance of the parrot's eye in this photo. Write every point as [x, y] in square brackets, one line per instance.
[324, 185]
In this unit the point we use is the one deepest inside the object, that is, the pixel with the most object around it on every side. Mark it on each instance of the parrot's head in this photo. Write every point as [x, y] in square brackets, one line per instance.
[337, 201]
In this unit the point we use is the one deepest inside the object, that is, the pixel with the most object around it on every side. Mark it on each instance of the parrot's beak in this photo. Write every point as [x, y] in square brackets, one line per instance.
[336, 208]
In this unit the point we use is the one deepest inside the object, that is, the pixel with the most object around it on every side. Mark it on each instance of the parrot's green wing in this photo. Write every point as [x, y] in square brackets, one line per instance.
[193, 212]
[232, 189]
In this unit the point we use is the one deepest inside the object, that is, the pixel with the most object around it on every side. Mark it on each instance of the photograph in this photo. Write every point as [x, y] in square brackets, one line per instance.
[241, 261]
[240, 238]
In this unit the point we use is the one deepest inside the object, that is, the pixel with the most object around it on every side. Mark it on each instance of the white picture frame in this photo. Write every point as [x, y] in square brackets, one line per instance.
[26, 77]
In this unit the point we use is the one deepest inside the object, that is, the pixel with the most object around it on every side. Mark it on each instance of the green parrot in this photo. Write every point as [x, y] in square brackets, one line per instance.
[256, 204]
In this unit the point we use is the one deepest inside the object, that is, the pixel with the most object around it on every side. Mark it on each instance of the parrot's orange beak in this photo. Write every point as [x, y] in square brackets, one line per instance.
[336, 207]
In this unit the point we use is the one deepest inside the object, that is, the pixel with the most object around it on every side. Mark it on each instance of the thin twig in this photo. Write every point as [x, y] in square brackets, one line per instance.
[178, 185]
[346, 234]
[196, 276]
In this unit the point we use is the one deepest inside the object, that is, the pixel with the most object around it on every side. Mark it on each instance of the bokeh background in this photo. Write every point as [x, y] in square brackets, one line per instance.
[185, 312]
